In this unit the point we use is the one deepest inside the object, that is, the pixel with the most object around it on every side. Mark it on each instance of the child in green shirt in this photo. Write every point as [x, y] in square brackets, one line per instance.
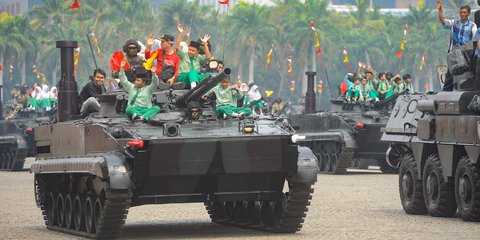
[227, 97]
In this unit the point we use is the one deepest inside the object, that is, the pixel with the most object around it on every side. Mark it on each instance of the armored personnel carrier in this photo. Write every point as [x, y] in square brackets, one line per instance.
[90, 171]
[16, 137]
[347, 135]
[435, 143]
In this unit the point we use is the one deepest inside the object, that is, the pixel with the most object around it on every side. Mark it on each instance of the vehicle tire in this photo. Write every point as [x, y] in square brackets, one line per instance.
[411, 194]
[439, 195]
[467, 190]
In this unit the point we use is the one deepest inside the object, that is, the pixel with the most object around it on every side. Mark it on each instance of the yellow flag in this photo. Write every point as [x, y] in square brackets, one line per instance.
[268, 93]
[420, 4]
[148, 64]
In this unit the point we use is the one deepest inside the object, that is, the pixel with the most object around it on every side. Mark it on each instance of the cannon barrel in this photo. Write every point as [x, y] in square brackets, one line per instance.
[391, 99]
[202, 88]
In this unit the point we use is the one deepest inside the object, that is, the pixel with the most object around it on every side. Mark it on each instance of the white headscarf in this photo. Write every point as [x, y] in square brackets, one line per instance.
[37, 92]
[244, 87]
[45, 92]
[254, 94]
[53, 90]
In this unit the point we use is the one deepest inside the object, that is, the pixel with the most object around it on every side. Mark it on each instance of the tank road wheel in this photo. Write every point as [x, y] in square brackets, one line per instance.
[411, 194]
[266, 217]
[439, 195]
[78, 208]
[51, 211]
[68, 212]
[253, 212]
[230, 215]
[217, 211]
[328, 162]
[467, 190]
[333, 162]
[319, 153]
[97, 213]
[2, 160]
[61, 210]
[89, 214]
[12, 161]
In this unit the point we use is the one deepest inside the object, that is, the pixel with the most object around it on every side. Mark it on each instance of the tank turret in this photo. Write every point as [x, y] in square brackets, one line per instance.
[435, 144]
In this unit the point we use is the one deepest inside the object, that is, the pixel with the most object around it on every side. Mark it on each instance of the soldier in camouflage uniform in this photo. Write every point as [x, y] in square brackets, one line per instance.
[18, 102]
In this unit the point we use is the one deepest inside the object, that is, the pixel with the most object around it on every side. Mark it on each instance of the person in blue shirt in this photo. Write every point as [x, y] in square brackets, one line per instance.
[461, 31]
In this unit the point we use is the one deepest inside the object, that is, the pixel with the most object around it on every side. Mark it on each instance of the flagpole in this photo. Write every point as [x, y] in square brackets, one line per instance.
[91, 49]
[225, 36]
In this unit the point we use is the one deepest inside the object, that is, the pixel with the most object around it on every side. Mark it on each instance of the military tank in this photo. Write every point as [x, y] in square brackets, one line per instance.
[346, 136]
[435, 143]
[90, 171]
[16, 137]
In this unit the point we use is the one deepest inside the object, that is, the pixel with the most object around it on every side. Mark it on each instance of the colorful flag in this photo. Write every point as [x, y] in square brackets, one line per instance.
[422, 62]
[426, 86]
[320, 87]
[420, 4]
[404, 42]
[95, 41]
[345, 57]
[290, 66]
[75, 5]
[1, 68]
[11, 72]
[76, 57]
[315, 34]
[268, 93]
[269, 55]
[292, 85]
[344, 87]
[223, 2]
[116, 60]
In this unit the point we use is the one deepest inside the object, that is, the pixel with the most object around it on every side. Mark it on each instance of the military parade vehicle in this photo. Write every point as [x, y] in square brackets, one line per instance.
[90, 171]
[16, 136]
[435, 141]
[347, 135]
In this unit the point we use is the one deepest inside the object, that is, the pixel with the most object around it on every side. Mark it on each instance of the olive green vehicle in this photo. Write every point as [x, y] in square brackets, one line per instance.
[435, 141]
[90, 171]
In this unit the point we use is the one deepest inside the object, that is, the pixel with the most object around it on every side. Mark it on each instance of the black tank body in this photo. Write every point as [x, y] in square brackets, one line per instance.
[247, 172]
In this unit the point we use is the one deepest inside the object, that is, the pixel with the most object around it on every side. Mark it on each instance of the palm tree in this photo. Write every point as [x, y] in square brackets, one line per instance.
[250, 22]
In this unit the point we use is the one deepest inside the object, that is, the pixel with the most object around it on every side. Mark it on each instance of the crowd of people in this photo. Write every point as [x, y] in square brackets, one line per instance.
[33, 99]
[369, 86]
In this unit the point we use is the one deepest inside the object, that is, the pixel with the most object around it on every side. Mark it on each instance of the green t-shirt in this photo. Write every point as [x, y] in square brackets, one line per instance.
[226, 96]
[144, 97]
[186, 62]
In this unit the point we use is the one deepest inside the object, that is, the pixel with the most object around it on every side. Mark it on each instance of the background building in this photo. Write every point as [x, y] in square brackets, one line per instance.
[16, 7]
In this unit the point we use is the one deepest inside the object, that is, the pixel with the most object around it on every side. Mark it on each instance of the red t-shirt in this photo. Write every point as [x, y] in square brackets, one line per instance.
[171, 60]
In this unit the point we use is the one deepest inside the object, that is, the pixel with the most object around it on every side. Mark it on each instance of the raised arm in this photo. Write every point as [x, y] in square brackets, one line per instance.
[205, 39]
[440, 12]
[179, 36]
[153, 86]
[123, 78]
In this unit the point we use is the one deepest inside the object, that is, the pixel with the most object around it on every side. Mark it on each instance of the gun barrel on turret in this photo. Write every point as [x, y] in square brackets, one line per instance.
[389, 100]
[202, 88]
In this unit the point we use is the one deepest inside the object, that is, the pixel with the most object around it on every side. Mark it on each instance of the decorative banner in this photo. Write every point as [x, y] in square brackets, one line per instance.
[422, 62]
[292, 85]
[268, 93]
[320, 87]
[39, 75]
[187, 32]
[420, 4]
[269, 55]
[426, 86]
[345, 58]
[76, 57]
[223, 2]
[11, 72]
[290, 67]
[315, 33]
[404, 41]
[1, 68]
[75, 5]
[95, 41]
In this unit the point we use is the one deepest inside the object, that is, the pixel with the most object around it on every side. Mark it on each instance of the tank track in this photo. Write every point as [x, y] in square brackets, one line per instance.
[112, 219]
[285, 215]
[12, 158]
[344, 161]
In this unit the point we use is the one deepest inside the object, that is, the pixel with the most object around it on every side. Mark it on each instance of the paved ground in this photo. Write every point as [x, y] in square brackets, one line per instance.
[360, 205]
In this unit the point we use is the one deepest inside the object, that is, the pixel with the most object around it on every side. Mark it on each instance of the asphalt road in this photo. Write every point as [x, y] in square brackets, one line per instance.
[360, 205]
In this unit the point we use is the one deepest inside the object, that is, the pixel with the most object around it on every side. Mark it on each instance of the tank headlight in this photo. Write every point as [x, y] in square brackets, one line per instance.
[248, 129]
[213, 64]
[296, 138]
[28, 130]
[139, 144]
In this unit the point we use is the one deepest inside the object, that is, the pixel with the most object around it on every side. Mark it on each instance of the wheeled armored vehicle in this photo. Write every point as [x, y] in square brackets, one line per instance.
[90, 171]
[435, 141]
